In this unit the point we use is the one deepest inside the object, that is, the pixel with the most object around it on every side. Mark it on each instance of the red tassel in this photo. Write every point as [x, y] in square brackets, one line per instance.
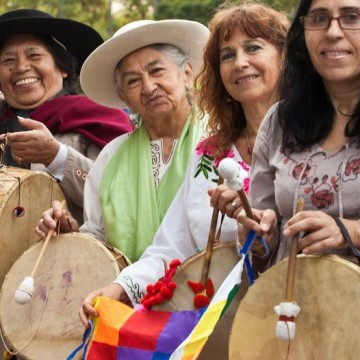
[172, 285]
[196, 287]
[159, 298]
[166, 292]
[210, 288]
[146, 304]
[201, 300]
[158, 286]
[174, 263]
[202, 294]
[162, 289]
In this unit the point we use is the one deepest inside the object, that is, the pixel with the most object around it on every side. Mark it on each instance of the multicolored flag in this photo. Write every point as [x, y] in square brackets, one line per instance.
[122, 332]
[191, 347]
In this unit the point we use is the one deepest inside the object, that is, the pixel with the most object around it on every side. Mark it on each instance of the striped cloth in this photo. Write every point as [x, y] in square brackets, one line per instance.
[122, 332]
[191, 347]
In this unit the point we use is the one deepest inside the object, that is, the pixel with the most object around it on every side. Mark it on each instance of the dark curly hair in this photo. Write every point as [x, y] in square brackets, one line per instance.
[306, 113]
[227, 118]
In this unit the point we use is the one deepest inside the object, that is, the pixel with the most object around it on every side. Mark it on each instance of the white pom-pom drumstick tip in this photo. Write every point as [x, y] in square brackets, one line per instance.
[228, 168]
[234, 176]
[289, 309]
[285, 327]
[25, 291]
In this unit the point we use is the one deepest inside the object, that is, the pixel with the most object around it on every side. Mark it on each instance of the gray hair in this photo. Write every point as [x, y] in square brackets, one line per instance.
[173, 53]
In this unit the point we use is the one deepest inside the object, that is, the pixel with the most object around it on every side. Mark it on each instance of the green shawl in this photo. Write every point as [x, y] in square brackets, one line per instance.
[132, 208]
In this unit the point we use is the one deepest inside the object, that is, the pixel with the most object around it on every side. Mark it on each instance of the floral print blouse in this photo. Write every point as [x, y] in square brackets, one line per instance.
[329, 182]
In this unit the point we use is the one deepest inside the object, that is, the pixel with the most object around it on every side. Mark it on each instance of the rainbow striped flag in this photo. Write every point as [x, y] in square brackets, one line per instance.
[191, 347]
[122, 332]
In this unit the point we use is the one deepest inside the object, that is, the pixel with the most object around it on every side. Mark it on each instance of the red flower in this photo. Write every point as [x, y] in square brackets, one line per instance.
[207, 146]
[322, 199]
[299, 168]
[352, 166]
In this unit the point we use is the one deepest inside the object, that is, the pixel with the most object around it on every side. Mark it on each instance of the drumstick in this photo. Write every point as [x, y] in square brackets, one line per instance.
[234, 176]
[289, 309]
[25, 291]
[211, 240]
[289, 292]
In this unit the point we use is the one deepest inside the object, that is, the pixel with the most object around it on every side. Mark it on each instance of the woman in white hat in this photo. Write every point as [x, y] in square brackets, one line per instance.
[45, 122]
[149, 67]
[242, 65]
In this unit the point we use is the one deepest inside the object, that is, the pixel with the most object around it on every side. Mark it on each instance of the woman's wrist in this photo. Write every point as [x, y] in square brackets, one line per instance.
[351, 233]
[353, 228]
[356, 233]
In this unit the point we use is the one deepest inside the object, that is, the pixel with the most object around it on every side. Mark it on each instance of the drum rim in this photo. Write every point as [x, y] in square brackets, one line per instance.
[201, 253]
[183, 268]
[18, 231]
[334, 258]
[13, 343]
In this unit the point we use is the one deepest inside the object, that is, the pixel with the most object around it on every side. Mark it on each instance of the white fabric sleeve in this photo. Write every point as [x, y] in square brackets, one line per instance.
[93, 223]
[57, 167]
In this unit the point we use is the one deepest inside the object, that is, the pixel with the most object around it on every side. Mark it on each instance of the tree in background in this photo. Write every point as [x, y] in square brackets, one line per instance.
[97, 14]
[288, 6]
[94, 12]
[197, 10]
[126, 11]
[202, 10]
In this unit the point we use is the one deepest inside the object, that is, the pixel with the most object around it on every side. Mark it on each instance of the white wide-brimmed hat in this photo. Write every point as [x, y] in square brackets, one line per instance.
[97, 73]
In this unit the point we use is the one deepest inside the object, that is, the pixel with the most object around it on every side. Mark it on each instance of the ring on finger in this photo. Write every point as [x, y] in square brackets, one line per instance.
[234, 204]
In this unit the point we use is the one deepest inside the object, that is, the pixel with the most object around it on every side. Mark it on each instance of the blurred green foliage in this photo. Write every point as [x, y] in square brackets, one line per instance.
[96, 13]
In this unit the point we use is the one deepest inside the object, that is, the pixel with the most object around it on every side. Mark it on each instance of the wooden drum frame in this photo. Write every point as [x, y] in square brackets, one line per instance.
[327, 291]
[49, 326]
[24, 196]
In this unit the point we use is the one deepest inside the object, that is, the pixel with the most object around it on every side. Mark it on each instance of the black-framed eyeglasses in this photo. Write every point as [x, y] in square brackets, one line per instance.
[322, 22]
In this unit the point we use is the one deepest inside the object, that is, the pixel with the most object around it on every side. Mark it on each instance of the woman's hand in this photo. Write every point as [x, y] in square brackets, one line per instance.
[35, 146]
[321, 232]
[264, 224]
[114, 291]
[226, 200]
[50, 218]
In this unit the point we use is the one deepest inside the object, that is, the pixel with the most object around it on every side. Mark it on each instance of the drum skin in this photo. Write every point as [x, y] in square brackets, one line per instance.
[49, 327]
[223, 261]
[327, 291]
[34, 191]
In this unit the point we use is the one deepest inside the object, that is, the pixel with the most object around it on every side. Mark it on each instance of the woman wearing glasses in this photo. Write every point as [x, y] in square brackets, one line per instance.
[308, 146]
